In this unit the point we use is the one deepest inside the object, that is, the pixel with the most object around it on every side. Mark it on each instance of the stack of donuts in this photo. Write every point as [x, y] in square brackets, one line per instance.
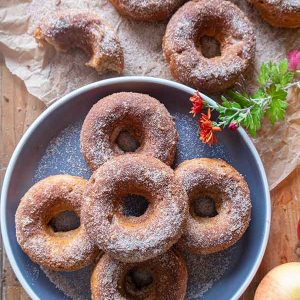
[129, 142]
[185, 39]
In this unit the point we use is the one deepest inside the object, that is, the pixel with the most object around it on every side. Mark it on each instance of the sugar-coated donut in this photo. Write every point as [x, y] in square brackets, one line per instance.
[147, 10]
[279, 13]
[221, 20]
[87, 31]
[144, 117]
[58, 251]
[129, 238]
[214, 179]
[161, 278]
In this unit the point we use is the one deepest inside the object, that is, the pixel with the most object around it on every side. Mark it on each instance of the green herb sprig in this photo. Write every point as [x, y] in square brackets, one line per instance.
[270, 99]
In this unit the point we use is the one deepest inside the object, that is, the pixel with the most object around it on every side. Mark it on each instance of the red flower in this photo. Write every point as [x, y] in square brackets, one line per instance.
[298, 230]
[294, 60]
[197, 102]
[207, 129]
[233, 126]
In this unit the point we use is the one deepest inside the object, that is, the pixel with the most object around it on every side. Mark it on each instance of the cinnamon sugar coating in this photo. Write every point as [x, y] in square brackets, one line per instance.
[147, 10]
[216, 18]
[87, 31]
[214, 178]
[58, 251]
[128, 238]
[143, 116]
[279, 13]
[110, 278]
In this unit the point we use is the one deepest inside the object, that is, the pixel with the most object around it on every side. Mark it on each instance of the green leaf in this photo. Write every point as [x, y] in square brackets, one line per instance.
[253, 120]
[243, 100]
[283, 66]
[278, 105]
[263, 76]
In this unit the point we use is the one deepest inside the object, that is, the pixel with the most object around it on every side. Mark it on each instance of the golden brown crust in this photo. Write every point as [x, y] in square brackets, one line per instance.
[216, 18]
[147, 10]
[169, 274]
[65, 30]
[279, 13]
[143, 116]
[220, 181]
[58, 251]
[134, 239]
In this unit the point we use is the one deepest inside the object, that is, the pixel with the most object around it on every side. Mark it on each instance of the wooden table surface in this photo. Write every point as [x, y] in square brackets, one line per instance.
[18, 110]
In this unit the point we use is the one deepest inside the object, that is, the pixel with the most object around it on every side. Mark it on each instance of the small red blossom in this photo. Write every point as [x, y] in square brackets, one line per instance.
[298, 230]
[294, 60]
[207, 129]
[197, 102]
[233, 126]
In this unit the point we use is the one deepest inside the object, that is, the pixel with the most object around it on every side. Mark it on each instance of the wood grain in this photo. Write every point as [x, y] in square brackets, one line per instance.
[18, 110]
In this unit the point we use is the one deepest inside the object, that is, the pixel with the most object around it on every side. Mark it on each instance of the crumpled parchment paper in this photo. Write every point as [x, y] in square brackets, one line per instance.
[49, 75]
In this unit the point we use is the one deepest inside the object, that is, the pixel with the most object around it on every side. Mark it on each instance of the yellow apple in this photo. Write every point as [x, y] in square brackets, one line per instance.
[281, 283]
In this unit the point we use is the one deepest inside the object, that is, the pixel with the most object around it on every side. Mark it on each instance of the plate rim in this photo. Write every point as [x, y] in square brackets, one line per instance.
[68, 97]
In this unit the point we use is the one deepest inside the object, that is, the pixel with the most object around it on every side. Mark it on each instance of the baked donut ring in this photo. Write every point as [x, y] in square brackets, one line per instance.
[164, 277]
[143, 117]
[213, 180]
[66, 30]
[149, 10]
[134, 238]
[221, 20]
[58, 251]
[279, 13]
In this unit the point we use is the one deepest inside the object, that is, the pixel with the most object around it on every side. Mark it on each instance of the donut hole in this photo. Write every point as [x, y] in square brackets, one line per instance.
[137, 281]
[204, 206]
[64, 221]
[128, 141]
[209, 46]
[134, 205]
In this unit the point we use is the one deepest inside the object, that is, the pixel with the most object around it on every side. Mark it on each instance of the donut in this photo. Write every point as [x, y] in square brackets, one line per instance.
[66, 30]
[221, 20]
[140, 116]
[58, 251]
[279, 13]
[219, 205]
[126, 237]
[147, 10]
[161, 278]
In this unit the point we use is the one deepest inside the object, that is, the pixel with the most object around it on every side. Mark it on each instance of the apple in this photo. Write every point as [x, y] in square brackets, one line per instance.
[281, 283]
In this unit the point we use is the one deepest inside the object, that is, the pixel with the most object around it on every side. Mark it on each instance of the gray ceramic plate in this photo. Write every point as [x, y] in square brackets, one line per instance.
[34, 159]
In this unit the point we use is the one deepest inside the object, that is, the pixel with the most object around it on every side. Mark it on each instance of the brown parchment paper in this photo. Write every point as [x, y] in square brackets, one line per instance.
[49, 75]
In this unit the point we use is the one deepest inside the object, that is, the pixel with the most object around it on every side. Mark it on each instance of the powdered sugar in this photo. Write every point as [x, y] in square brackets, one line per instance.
[62, 156]
[205, 270]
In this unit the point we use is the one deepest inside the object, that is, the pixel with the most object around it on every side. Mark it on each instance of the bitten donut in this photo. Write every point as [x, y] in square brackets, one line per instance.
[147, 10]
[220, 205]
[134, 238]
[164, 277]
[58, 251]
[279, 13]
[66, 30]
[140, 116]
[221, 20]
